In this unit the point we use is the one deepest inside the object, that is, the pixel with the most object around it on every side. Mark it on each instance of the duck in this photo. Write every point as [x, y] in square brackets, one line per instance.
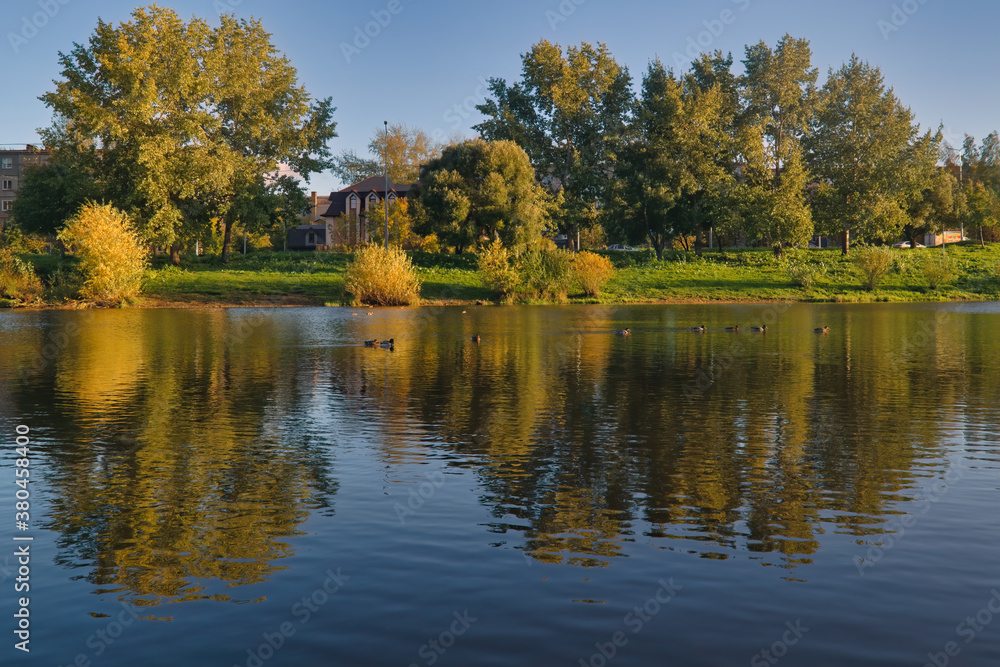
[388, 343]
[821, 330]
[623, 332]
[371, 343]
[475, 339]
[733, 329]
[761, 329]
[699, 329]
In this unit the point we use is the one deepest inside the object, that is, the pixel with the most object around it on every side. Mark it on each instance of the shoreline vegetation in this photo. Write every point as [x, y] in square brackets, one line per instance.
[961, 272]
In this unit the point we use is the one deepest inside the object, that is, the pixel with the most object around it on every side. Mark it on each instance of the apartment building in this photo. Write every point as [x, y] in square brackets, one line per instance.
[14, 160]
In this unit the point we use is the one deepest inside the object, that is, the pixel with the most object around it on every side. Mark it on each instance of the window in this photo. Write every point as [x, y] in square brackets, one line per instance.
[312, 239]
[373, 199]
[354, 202]
[6, 163]
[392, 199]
[7, 184]
[6, 205]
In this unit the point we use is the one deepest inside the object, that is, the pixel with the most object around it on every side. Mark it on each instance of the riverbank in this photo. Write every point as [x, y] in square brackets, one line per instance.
[746, 275]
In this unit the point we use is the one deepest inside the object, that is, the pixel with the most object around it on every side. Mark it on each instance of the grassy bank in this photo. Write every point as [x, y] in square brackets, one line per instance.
[736, 275]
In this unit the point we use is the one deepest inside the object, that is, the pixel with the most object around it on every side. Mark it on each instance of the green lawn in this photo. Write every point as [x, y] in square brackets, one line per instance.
[736, 275]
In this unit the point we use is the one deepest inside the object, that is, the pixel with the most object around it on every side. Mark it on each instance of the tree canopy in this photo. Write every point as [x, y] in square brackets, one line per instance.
[479, 188]
[405, 148]
[670, 174]
[867, 154]
[569, 113]
[181, 117]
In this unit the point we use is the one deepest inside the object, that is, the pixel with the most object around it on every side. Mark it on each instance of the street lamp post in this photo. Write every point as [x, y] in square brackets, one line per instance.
[385, 198]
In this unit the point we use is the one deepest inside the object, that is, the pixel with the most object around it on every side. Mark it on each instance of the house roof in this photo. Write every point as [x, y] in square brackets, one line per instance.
[372, 184]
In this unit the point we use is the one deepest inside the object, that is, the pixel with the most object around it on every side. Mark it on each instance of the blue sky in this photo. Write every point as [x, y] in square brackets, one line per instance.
[425, 62]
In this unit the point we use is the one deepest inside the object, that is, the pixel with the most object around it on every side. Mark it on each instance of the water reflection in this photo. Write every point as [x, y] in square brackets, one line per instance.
[193, 445]
[175, 478]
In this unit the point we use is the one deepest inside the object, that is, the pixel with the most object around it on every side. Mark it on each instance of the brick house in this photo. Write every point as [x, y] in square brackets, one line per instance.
[346, 217]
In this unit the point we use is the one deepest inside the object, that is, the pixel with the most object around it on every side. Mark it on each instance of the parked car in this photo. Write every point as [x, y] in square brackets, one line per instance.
[622, 247]
[906, 244]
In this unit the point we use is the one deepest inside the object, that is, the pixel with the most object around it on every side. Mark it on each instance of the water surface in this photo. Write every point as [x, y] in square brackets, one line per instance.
[228, 487]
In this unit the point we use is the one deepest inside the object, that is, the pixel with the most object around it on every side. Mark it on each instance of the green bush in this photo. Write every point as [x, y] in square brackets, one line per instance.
[545, 274]
[622, 259]
[874, 262]
[536, 274]
[938, 270]
[18, 282]
[380, 277]
[592, 271]
[112, 257]
[804, 274]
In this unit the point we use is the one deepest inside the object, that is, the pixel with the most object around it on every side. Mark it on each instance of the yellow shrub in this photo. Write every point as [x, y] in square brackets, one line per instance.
[112, 256]
[18, 281]
[380, 277]
[592, 271]
[496, 271]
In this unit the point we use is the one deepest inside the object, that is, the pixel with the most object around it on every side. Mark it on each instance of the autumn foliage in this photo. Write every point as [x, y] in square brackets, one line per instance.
[112, 257]
[380, 277]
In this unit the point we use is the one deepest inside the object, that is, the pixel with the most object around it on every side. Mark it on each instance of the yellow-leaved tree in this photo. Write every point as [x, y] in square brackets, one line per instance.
[112, 257]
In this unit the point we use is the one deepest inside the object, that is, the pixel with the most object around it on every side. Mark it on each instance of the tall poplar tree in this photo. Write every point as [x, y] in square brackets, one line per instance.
[569, 113]
[867, 155]
[671, 176]
[184, 116]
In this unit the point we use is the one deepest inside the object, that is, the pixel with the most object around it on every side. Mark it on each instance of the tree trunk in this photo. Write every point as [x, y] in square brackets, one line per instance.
[845, 241]
[982, 243]
[697, 242]
[722, 250]
[657, 244]
[175, 254]
[227, 236]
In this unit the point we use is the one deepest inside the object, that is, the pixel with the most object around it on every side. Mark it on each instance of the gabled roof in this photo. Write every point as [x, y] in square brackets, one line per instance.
[372, 184]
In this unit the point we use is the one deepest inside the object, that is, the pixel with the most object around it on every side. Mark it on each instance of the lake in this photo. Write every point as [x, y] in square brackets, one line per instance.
[256, 487]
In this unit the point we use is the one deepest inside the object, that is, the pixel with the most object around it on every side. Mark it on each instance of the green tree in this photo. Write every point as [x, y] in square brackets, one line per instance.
[779, 97]
[351, 168]
[50, 194]
[779, 90]
[569, 113]
[406, 149]
[940, 204]
[182, 113]
[979, 175]
[865, 153]
[484, 188]
[670, 175]
[715, 71]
